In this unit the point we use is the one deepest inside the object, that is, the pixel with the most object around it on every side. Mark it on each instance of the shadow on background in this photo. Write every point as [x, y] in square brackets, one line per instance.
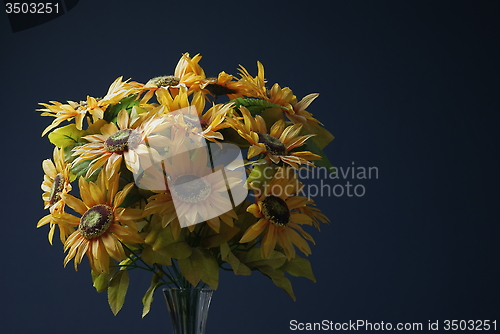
[28, 14]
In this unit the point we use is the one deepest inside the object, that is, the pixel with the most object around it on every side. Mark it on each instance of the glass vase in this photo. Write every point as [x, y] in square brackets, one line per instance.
[188, 309]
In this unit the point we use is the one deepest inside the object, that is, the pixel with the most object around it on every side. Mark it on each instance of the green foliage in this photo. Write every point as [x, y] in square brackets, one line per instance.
[148, 297]
[100, 281]
[254, 259]
[271, 116]
[299, 267]
[310, 145]
[225, 234]
[66, 136]
[150, 256]
[255, 106]
[193, 267]
[80, 169]
[239, 268]
[279, 279]
[211, 273]
[323, 136]
[262, 173]
[126, 103]
[117, 290]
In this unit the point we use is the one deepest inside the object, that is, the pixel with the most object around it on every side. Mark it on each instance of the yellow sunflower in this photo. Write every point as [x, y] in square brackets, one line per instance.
[280, 218]
[312, 211]
[103, 224]
[194, 193]
[225, 84]
[56, 183]
[194, 120]
[127, 140]
[188, 73]
[95, 107]
[278, 144]
[256, 87]
[295, 110]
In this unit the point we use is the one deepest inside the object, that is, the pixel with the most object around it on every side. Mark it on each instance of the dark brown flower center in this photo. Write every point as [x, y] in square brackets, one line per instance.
[273, 145]
[96, 221]
[218, 89]
[190, 188]
[164, 81]
[276, 211]
[57, 187]
[123, 140]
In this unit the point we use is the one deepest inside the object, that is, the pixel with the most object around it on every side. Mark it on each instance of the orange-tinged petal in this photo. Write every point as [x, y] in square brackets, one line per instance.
[254, 210]
[254, 231]
[123, 119]
[97, 194]
[277, 128]
[253, 151]
[120, 196]
[125, 234]
[300, 218]
[75, 203]
[44, 220]
[114, 248]
[269, 241]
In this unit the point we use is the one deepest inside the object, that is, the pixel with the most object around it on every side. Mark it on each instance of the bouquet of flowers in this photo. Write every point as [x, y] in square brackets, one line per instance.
[166, 177]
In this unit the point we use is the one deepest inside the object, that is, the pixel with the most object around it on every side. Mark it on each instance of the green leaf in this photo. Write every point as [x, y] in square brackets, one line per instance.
[193, 267]
[211, 274]
[310, 145]
[117, 290]
[148, 297]
[178, 250]
[167, 245]
[100, 281]
[80, 169]
[255, 106]
[126, 103]
[150, 256]
[238, 267]
[254, 259]
[279, 279]
[65, 136]
[218, 239]
[271, 116]
[299, 267]
[95, 127]
[262, 173]
[323, 136]
[163, 238]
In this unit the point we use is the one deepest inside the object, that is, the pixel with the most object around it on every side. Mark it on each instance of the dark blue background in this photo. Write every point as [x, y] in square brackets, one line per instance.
[409, 87]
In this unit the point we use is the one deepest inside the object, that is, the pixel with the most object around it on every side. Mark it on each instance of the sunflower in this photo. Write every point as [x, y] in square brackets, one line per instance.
[188, 73]
[225, 84]
[294, 109]
[193, 120]
[194, 193]
[280, 218]
[312, 211]
[103, 225]
[56, 183]
[256, 87]
[115, 143]
[95, 107]
[278, 144]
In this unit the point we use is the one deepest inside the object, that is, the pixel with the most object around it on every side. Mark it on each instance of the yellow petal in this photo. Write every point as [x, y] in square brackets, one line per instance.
[254, 231]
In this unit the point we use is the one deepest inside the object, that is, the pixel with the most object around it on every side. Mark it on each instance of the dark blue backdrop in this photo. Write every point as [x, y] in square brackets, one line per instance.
[408, 87]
